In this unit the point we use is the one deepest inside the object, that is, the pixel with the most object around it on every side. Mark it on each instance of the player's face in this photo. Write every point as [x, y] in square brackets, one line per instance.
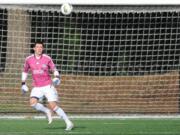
[38, 49]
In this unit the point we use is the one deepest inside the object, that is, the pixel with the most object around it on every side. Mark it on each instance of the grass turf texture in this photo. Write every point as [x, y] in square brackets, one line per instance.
[92, 127]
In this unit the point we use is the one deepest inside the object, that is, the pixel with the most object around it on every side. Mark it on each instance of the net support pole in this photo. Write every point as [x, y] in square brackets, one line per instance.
[18, 39]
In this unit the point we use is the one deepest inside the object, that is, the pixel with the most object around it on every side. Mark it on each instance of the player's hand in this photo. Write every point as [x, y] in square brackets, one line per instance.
[56, 81]
[24, 88]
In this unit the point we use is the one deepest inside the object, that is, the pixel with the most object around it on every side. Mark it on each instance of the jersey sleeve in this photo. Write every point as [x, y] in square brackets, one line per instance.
[26, 66]
[51, 65]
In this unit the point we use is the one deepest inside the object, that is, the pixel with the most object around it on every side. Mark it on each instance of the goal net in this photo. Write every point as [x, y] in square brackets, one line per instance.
[112, 59]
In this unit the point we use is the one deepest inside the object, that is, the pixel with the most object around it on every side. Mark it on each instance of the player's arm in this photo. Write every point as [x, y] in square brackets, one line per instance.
[24, 75]
[56, 80]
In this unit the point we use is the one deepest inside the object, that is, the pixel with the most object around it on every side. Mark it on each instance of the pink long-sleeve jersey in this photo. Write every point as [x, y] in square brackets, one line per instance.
[40, 69]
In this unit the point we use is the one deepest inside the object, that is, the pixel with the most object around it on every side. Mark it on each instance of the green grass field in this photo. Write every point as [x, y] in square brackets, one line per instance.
[91, 127]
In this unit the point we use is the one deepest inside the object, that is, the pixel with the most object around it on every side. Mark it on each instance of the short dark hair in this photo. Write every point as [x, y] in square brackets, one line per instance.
[38, 42]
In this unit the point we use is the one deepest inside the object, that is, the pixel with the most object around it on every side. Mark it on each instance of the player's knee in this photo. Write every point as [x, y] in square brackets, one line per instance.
[33, 102]
[55, 108]
[52, 105]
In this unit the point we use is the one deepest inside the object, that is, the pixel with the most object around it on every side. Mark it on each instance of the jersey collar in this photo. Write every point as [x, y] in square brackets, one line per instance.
[39, 57]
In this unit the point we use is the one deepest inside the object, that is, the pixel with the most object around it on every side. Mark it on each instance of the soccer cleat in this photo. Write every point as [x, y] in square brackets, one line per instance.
[49, 117]
[69, 126]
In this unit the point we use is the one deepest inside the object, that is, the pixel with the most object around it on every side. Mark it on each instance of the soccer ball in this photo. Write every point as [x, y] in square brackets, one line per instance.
[66, 8]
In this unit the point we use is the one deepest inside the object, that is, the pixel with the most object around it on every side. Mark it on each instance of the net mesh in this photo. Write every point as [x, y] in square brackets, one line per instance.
[120, 60]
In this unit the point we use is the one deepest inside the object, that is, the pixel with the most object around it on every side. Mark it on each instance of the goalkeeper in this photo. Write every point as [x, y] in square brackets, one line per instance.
[40, 65]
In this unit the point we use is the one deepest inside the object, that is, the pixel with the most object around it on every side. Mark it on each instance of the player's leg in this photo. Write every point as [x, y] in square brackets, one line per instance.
[52, 96]
[60, 112]
[34, 97]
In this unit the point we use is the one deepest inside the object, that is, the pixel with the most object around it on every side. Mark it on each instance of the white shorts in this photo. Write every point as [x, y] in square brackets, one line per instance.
[48, 91]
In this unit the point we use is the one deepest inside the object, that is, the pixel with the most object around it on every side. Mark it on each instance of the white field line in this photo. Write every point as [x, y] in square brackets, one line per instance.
[95, 117]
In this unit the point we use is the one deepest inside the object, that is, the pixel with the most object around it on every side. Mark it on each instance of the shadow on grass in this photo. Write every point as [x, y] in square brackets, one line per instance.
[63, 127]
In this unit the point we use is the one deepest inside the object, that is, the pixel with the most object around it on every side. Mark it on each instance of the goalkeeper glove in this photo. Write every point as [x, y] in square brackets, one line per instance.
[56, 81]
[24, 88]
